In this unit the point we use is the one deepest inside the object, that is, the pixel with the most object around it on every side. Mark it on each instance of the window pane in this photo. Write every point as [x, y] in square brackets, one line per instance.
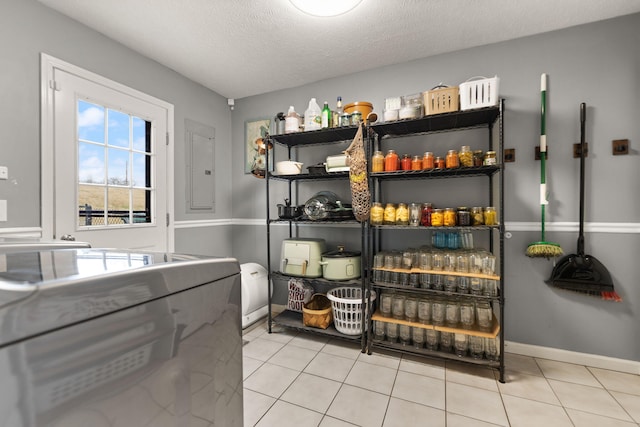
[141, 206]
[118, 205]
[91, 205]
[118, 129]
[139, 134]
[90, 122]
[113, 170]
[118, 167]
[90, 163]
[141, 170]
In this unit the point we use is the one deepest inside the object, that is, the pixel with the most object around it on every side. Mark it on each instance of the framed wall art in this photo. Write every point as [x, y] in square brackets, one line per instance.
[255, 148]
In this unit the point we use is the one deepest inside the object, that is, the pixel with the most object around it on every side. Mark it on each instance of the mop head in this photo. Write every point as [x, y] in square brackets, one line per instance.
[544, 250]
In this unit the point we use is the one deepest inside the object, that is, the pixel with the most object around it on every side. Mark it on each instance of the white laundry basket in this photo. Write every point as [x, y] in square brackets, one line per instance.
[478, 92]
[346, 303]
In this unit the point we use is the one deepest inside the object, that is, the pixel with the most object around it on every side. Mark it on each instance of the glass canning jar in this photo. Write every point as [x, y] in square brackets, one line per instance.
[490, 216]
[416, 163]
[466, 156]
[464, 216]
[376, 214]
[437, 218]
[449, 218]
[425, 218]
[391, 161]
[405, 163]
[402, 214]
[477, 216]
[452, 160]
[389, 214]
[377, 162]
[428, 160]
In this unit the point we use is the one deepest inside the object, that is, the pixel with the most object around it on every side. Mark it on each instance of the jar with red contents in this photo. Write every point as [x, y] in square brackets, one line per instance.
[425, 218]
[405, 163]
[391, 161]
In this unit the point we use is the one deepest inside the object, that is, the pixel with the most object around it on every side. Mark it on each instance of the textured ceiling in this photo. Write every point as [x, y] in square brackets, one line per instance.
[239, 48]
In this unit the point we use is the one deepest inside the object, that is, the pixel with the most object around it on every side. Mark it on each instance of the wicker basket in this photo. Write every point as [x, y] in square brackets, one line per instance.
[317, 312]
[440, 99]
[347, 309]
[478, 92]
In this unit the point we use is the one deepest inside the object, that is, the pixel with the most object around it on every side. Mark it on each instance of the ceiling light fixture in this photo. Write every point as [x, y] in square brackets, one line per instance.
[325, 8]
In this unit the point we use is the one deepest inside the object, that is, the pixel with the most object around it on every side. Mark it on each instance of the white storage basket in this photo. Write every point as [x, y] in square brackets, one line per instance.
[478, 92]
[346, 303]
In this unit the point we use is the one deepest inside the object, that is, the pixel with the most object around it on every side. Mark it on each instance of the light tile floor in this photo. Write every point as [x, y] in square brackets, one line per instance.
[299, 379]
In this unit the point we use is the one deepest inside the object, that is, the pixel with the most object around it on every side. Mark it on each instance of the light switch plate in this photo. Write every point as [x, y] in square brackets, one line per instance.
[4, 172]
[3, 210]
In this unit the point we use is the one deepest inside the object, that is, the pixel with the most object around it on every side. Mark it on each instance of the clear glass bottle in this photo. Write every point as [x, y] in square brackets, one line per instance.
[335, 115]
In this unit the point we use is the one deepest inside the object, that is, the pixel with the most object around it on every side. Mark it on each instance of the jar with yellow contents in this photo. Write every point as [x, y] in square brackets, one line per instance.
[466, 156]
[389, 214]
[437, 218]
[376, 215]
[402, 214]
[490, 216]
[477, 216]
[377, 162]
[449, 218]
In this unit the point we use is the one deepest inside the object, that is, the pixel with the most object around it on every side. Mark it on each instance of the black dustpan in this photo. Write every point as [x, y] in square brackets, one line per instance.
[581, 272]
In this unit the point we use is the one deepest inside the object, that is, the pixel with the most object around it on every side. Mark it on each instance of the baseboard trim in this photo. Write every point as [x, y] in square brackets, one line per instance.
[592, 360]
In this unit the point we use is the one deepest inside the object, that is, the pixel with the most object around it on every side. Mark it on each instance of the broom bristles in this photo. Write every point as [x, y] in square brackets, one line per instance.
[544, 250]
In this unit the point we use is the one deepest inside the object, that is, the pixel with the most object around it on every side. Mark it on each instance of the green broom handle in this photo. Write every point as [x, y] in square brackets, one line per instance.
[543, 148]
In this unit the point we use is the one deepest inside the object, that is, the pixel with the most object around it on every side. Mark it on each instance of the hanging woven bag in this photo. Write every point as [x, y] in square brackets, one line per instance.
[358, 179]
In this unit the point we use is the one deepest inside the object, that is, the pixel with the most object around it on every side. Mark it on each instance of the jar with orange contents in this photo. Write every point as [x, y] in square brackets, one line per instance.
[416, 163]
[391, 161]
[452, 160]
[428, 160]
[439, 163]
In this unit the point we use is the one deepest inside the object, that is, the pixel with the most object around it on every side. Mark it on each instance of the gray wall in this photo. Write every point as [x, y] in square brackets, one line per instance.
[26, 29]
[598, 64]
